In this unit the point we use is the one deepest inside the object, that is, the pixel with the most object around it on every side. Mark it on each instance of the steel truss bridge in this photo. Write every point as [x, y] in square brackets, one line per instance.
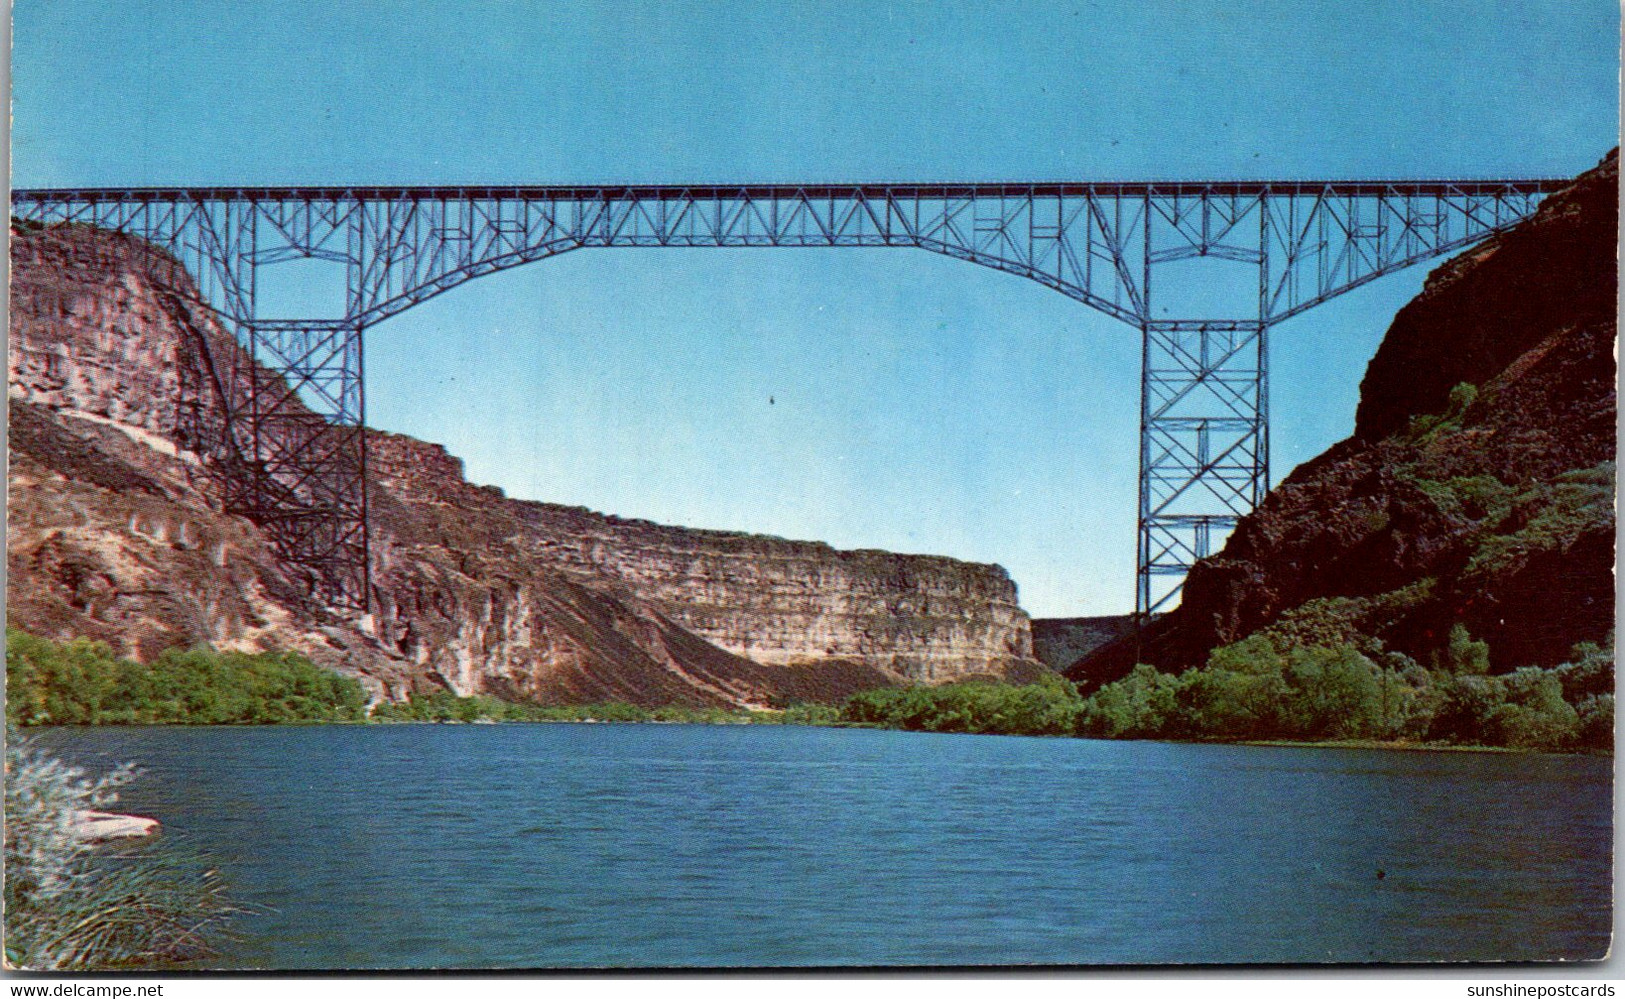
[285, 436]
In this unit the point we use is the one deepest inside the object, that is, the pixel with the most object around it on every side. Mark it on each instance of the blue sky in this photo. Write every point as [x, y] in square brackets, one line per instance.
[868, 398]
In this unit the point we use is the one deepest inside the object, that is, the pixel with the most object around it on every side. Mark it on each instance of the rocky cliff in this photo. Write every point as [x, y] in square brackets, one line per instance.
[1478, 487]
[1058, 642]
[114, 533]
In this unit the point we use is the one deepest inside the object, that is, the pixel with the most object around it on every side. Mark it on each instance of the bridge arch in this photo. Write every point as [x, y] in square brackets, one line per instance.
[953, 396]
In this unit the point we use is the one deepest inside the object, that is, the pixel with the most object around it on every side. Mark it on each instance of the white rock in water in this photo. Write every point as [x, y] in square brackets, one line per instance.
[108, 825]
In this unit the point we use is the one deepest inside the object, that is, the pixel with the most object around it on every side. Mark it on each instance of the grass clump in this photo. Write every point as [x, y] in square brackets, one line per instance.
[73, 905]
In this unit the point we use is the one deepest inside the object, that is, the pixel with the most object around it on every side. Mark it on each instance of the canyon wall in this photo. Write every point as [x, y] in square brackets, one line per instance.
[115, 534]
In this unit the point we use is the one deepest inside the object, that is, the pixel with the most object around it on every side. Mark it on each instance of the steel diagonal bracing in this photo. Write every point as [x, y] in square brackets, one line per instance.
[310, 457]
[280, 419]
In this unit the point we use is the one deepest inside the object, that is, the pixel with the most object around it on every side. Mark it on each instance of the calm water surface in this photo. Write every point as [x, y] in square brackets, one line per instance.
[416, 846]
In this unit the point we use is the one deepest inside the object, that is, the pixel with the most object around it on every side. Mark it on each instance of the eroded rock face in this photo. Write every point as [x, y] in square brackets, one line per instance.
[796, 603]
[109, 539]
[114, 534]
[84, 311]
[1492, 509]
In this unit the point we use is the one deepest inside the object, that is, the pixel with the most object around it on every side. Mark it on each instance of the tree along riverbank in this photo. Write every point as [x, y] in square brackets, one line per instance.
[1253, 691]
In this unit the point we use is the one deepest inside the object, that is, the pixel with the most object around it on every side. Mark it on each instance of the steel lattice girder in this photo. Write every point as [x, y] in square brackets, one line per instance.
[288, 444]
[306, 419]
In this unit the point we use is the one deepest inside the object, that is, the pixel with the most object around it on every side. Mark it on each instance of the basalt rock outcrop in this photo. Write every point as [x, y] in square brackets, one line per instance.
[115, 533]
[1478, 487]
[1058, 642]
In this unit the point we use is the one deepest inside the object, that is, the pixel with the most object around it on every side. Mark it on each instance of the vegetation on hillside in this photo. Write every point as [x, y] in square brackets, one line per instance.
[1546, 518]
[1507, 527]
[81, 682]
[74, 905]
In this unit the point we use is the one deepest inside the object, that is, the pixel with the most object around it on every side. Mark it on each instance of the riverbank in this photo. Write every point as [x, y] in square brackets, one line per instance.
[1251, 693]
[1412, 747]
[800, 719]
[777, 718]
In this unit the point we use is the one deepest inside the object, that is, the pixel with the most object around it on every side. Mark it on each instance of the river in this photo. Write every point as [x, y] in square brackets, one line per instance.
[529, 846]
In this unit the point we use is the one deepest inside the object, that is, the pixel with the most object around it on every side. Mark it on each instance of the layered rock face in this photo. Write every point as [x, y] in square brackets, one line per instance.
[114, 535]
[796, 603]
[1478, 487]
[777, 602]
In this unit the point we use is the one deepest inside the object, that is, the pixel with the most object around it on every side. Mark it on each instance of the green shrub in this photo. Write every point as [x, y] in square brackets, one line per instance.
[1333, 693]
[1566, 707]
[1050, 706]
[806, 714]
[1463, 655]
[1594, 727]
[1228, 704]
[1588, 684]
[1266, 687]
[1259, 688]
[701, 716]
[81, 682]
[1423, 429]
[1333, 621]
[1534, 715]
[1482, 498]
[1590, 672]
[1408, 698]
[1139, 706]
[445, 706]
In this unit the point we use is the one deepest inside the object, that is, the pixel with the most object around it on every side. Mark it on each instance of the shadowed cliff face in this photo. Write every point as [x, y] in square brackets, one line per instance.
[1488, 505]
[1484, 310]
[114, 534]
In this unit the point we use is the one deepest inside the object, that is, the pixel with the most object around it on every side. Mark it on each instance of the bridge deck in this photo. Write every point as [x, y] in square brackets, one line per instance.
[1220, 188]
